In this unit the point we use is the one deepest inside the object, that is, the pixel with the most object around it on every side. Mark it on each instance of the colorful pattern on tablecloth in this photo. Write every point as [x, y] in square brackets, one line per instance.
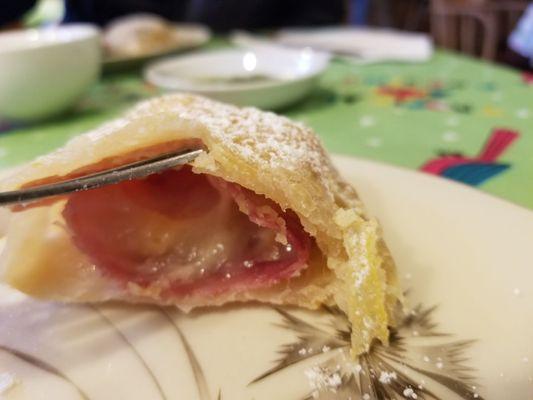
[443, 117]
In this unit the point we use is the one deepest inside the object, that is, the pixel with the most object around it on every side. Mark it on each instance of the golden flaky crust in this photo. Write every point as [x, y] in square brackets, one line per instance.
[264, 152]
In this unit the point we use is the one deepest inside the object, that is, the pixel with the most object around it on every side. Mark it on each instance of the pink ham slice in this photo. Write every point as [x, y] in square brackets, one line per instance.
[187, 234]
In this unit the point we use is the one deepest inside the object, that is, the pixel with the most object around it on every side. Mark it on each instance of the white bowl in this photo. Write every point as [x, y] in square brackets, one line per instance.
[44, 71]
[265, 77]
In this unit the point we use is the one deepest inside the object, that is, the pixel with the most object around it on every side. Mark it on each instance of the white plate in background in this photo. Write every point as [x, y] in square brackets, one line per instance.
[362, 44]
[268, 78]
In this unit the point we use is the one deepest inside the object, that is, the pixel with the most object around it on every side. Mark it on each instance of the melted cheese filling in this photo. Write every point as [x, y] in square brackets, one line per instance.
[181, 228]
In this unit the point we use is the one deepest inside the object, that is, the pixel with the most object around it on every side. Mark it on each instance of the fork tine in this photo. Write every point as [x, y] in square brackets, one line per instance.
[138, 169]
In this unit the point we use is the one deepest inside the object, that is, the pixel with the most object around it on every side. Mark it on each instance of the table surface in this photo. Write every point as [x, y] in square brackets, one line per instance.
[454, 116]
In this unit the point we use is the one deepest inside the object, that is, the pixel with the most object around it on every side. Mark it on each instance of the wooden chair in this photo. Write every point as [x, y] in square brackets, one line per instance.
[509, 12]
[464, 25]
[475, 27]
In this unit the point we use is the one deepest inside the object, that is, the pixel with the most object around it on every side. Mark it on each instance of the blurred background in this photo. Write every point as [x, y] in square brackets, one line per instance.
[440, 86]
[482, 28]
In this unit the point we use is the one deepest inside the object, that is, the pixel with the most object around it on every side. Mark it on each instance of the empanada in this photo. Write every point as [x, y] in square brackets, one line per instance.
[261, 215]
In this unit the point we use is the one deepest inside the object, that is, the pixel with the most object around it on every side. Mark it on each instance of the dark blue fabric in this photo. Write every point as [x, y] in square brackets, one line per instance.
[475, 173]
[359, 12]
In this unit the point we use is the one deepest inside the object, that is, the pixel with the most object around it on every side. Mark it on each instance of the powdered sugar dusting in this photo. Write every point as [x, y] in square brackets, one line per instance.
[410, 394]
[257, 137]
[387, 377]
[361, 275]
[277, 140]
[321, 379]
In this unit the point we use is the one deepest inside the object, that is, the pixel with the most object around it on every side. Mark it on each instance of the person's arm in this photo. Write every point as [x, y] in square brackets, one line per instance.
[12, 11]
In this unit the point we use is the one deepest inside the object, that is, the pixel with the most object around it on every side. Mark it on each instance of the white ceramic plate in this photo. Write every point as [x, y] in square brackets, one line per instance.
[191, 36]
[267, 78]
[362, 44]
[465, 252]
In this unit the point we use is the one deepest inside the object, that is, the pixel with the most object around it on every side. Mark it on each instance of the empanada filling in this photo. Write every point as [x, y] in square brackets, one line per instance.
[186, 233]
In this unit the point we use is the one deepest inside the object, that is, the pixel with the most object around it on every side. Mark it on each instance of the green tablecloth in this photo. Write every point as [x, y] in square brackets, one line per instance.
[453, 116]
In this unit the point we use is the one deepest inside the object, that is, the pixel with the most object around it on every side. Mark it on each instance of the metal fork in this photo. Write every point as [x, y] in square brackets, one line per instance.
[135, 170]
